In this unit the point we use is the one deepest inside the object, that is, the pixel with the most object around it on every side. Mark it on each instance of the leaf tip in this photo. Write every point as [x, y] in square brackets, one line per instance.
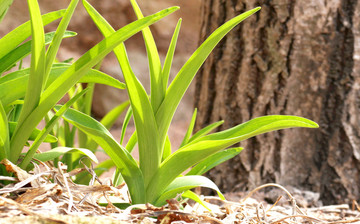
[313, 124]
[174, 8]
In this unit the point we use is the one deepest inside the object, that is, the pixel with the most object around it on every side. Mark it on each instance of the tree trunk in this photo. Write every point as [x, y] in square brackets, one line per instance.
[293, 58]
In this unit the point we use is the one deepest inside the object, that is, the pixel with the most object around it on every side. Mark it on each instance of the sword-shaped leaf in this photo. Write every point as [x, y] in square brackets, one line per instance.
[182, 184]
[214, 160]
[121, 157]
[60, 151]
[13, 85]
[11, 40]
[23, 50]
[71, 76]
[186, 74]
[203, 147]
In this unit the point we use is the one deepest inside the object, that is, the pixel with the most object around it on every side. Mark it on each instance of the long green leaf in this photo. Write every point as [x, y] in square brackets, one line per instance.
[121, 157]
[4, 134]
[190, 129]
[214, 160]
[48, 128]
[180, 161]
[37, 68]
[59, 151]
[167, 149]
[59, 88]
[23, 50]
[109, 120]
[35, 132]
[13, 85]
[186, 74]
[150, 150]
[132, 142]
[11, 40]
[55, 44]
[200, 149]
[125, 124]
[170, 55]
[259, 126]
[182, 184]
[205, 130]
[191, 195]
[157, 92]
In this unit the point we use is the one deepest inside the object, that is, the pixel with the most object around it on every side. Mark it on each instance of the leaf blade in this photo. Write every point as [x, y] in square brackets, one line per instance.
[47, 129]
[60, 151]
[11, 40]
[170, 55]
[182, 81]
[55, 44]
[23, 50]
[150, 150]
[203, 147]
[182, 184]
[4, 134]
[13, 85]
[189, 130]
[121, 157]
[157, 92]
[214, 160]
[37, 68]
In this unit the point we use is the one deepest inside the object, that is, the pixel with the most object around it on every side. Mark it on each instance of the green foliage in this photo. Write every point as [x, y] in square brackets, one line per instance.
[27, 96]
[30, 95]
[159, 172]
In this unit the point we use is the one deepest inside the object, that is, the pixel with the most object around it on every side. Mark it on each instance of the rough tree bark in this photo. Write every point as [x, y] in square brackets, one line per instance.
[295, 58]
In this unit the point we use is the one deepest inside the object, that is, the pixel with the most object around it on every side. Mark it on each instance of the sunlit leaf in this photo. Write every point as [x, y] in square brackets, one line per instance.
[186, 74]
[121, 157]
[14, 85]
[48, 128]
[34, 133]
[203, 147]
[189, 130]
[182, 184]
[23, 50]
[59, 151]
[11, 40]
[214, 160]
[4, 134]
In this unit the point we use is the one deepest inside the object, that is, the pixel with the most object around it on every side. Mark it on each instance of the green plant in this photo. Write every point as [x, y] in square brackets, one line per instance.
[28, 95]
[158, 176]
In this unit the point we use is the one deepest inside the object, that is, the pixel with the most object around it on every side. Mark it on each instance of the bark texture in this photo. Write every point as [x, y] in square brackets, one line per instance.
[295, 58]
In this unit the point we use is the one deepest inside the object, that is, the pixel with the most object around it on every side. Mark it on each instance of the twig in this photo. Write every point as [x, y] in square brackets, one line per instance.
[272, 206]
[291, 198]
[71, 199]
[8, 178]
[22, 183]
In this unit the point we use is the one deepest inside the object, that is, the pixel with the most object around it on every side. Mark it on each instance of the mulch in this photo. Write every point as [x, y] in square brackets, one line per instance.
[48, 195]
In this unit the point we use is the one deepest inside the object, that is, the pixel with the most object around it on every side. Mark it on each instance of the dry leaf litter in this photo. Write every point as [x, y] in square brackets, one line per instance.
[48, 195]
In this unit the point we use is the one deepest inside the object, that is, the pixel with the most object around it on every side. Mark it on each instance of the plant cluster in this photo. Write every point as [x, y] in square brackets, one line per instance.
[30, 95]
